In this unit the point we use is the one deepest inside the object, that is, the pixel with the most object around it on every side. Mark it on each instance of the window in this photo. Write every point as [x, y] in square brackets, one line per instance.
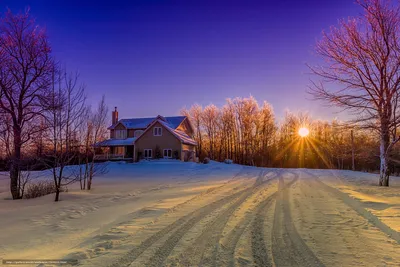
[157, 131]
[120, 134]
[138, 133]
[148, 153]
[168, 153]
[119, 150]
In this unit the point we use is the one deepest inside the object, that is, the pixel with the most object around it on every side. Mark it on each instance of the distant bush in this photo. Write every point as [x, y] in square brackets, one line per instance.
[228, 161]
[206, 160]
[40, 188]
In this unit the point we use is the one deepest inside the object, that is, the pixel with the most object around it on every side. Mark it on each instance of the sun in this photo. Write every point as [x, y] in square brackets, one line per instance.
[303, 132]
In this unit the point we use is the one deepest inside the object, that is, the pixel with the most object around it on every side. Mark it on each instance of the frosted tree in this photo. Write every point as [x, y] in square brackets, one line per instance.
[266, 132]
[195, 116]
[361, 73]
[210, 117]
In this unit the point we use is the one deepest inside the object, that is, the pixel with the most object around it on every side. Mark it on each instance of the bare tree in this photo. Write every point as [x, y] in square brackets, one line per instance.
[210, 118]
[362, 55]
[98, 131]
[25, 77]
[6, 135]
[64, 119]
[266, 133]
[194, 114]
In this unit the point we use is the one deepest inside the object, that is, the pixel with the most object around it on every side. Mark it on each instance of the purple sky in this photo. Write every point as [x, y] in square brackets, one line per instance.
[154, 57]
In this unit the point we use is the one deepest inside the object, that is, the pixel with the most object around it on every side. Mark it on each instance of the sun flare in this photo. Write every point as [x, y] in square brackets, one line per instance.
[303, 132]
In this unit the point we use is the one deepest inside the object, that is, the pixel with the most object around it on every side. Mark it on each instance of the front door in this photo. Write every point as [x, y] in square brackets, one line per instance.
[148, 153]
[129, 152]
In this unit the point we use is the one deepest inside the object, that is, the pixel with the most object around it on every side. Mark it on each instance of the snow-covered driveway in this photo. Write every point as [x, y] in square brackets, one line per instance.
[184, 214]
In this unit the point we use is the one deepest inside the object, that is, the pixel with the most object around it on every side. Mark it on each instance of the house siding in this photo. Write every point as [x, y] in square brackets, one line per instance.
[188, 147]
[120, 127]
[166, 141]
[188, 152]
[185, 127]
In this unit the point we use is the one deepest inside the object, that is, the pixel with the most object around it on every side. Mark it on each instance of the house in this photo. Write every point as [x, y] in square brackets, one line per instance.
[149, 138]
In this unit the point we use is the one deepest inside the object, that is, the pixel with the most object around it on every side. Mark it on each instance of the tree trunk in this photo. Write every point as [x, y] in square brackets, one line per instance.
[353, 165]
[15, 166]
[57, 194]
[90, 176]
[89, 183]
[384, 164]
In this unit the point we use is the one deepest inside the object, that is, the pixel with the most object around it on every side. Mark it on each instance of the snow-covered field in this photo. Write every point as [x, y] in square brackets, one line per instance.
[185, 214]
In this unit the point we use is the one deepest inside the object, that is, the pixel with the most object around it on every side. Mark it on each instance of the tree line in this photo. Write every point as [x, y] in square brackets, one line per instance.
[360, 74]
[248, 133]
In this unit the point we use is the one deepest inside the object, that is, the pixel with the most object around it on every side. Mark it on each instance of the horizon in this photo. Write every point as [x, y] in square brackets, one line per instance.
[185, 53]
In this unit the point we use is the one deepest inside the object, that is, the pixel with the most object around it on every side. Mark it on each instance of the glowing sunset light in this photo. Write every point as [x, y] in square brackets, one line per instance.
[303, 132]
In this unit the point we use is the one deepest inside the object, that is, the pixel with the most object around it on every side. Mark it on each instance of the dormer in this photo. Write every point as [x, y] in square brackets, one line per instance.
[119, 131]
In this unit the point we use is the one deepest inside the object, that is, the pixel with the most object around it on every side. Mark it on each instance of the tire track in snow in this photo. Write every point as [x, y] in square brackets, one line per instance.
[213, 233]
[225, 253]
[358, 207]
[181, 224]
[258, 244]
[126, 219]
[288, 248]
[210, 237]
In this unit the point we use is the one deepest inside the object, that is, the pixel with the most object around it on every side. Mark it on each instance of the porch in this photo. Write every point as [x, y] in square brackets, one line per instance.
[116, 149]
[111, 157]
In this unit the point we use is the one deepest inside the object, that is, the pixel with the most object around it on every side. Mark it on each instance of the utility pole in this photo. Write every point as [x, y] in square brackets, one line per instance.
[353, 165]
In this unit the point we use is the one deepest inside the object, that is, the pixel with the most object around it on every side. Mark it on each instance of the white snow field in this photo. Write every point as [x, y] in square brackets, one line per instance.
[170, 213]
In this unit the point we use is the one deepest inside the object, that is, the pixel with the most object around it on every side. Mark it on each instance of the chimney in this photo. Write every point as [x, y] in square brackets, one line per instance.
[114, 116]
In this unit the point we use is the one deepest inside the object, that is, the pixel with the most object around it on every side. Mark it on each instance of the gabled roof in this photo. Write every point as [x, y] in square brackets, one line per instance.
[180, 135]
[142, 123]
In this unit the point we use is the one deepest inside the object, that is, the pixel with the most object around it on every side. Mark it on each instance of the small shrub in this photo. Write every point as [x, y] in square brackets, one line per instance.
[206, 160]
[40, 188]
[228, 161]
[157, 152]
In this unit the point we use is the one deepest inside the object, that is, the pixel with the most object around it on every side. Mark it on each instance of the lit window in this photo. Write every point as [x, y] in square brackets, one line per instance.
[157, 131]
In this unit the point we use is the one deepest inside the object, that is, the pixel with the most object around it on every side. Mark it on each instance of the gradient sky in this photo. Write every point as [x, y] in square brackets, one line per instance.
[153, 57]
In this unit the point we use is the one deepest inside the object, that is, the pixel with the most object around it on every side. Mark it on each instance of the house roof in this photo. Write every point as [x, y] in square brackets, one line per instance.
[141, 123]
[170, 123]
[116, 142]
[182, 136]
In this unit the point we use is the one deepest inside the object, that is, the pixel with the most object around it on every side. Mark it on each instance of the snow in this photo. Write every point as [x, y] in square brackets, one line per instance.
[141, 123]
[384, 202]
[133, 202]
[117, 142]
[182, 136]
